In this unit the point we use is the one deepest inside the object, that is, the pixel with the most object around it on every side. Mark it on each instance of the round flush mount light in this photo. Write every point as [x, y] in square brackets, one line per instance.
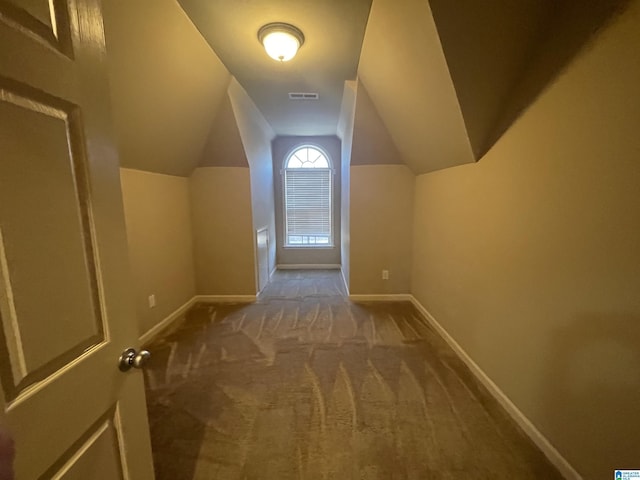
[281, 40]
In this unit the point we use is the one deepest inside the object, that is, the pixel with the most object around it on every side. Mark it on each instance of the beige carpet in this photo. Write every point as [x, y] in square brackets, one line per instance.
[304, 384]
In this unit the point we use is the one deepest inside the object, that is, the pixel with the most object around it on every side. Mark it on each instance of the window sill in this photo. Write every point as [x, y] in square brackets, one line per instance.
[310, 247]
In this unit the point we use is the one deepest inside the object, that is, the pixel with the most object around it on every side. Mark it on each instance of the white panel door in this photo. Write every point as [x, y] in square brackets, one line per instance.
[66, 311]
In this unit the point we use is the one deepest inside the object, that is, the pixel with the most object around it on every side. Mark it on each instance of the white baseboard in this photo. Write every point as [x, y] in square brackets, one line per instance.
[176, 314]
[308, 266]
[532, 432]
[226, 298]
[344, 281]
[393, 297]
[165, 322]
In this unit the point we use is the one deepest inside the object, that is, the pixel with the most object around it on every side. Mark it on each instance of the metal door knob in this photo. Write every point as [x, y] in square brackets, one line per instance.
[130, 358]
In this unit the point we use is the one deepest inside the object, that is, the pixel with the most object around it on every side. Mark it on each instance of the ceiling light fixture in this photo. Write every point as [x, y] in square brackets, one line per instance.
[281, 40]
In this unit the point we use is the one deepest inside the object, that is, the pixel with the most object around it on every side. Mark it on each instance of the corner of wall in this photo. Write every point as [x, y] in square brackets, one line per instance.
[160, 242]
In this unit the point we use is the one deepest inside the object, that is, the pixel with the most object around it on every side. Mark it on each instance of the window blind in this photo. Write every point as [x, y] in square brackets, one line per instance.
[308, 204]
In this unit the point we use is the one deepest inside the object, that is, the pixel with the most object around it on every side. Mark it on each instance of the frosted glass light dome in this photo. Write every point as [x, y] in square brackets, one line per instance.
[281, 40]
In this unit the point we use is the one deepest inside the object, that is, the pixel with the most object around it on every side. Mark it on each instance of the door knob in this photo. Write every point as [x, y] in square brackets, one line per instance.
[131, 358]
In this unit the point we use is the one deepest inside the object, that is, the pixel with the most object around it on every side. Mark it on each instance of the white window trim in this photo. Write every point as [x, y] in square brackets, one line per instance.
[325, 246]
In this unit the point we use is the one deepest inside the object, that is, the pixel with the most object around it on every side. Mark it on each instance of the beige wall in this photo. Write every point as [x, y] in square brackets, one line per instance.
[345, 133]
[166, 84]
[241, 137]
[282, 147]
[531, 258]
[223, 231]
[381, 228]
[158, 220]
[256, 136]
[380, 206]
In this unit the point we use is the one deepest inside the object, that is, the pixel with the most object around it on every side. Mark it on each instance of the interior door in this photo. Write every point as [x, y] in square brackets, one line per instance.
[65, 306]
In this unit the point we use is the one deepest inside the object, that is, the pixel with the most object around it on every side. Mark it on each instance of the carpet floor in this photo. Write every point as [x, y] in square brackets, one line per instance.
[304, 384]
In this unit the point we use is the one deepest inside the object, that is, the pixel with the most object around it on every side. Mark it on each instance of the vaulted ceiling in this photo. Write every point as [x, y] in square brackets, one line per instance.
[166, 85]
[333, 32]
[444, 79]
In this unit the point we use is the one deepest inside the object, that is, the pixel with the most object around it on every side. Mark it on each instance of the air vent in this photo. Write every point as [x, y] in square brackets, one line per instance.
[303, 96]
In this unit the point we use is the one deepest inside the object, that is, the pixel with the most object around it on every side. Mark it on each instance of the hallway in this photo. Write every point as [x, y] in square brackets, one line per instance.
[305, 384]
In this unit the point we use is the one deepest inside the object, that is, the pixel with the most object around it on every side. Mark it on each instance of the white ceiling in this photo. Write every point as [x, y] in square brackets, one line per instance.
[333, 31]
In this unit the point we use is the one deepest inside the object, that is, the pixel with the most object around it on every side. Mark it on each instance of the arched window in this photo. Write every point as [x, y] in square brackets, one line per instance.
[307, 198]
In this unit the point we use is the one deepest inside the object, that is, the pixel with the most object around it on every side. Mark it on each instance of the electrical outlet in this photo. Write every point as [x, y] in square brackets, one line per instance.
[152, 301]
[385, 274]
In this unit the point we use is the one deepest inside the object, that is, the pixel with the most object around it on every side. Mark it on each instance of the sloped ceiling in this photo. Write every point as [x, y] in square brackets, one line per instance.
[566, 30]
[488, 59]
[255, 131]
[333, 32]
[347, 111]
[166, 85]
[449, 78]
[502, 53]
[372, 144]
[445, 79]
[224, 145]
[404, 69]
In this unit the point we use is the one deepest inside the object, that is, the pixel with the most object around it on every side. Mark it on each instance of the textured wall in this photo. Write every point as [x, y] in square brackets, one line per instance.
[158, 220]
[531, 258]
[223, 231]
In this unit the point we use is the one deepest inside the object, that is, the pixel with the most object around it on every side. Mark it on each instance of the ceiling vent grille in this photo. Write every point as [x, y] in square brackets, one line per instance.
[303, 96]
